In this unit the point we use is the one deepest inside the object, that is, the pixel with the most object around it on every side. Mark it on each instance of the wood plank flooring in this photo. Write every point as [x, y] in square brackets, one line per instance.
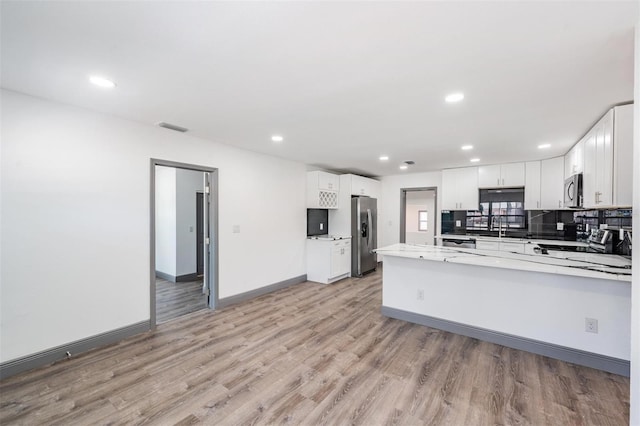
[311, 354]
[174, 300]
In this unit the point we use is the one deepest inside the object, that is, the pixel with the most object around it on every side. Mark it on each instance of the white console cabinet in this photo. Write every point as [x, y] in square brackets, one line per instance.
[328, 260]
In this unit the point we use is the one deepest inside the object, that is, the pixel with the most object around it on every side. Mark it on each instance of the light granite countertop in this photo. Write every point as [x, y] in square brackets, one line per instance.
[591, 265]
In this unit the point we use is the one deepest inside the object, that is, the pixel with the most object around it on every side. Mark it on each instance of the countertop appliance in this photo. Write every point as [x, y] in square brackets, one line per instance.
[603, 241]
[459, 243]
[573, 191]
[364, 236]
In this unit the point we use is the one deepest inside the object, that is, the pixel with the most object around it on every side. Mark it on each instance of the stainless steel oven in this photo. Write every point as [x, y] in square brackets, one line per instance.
[573, 191]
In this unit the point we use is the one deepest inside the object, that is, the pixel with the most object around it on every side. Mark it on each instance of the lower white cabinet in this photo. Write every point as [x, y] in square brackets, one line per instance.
[328, 260]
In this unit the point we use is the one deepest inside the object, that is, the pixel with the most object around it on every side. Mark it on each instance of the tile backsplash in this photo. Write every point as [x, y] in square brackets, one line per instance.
[544, 224]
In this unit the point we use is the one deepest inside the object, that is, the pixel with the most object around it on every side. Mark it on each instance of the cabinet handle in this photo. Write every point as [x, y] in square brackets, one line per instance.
[538, 204]
[498, 181]
[559, 203]
[502, 181]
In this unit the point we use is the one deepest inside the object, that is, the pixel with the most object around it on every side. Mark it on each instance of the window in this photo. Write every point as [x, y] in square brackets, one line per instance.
[498, 209]
[422, 220]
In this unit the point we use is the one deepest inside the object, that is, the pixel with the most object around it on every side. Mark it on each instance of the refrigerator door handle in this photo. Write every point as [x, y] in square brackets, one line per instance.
[370, 236]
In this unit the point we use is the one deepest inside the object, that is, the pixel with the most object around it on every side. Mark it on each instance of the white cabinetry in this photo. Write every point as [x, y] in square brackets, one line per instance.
[328, 260]
[460, 189]
[361, 185]
[598, 164]
[552, 184]
[501, 175]
[322, 190]
[532, 199]
[623, 156]
[574, 160]
[608, 157]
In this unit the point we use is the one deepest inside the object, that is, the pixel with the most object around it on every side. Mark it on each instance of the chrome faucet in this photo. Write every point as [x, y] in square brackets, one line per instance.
[493, 225]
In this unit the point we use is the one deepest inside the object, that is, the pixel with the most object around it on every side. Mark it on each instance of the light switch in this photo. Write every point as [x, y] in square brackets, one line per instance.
[560, 226]
[322, 226]
[191, 229]
[236, 229]
[458, 223]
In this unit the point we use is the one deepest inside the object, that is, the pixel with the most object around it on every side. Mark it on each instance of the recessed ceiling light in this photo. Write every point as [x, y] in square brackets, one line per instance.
[474, 160]
[404, 167]
[102, 82]
[384, 158]
[277, 138]
[454, 97]
[466, 147]
[544, 146]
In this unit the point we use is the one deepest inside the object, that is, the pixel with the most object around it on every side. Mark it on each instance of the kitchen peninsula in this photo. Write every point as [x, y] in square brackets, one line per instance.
[571, 306]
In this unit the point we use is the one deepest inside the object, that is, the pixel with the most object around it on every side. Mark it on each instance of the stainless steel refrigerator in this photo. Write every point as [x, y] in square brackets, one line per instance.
[364, 236]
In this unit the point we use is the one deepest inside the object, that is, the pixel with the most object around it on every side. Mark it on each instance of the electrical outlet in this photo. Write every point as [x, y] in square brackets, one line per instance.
[420, 294]
[591, 325]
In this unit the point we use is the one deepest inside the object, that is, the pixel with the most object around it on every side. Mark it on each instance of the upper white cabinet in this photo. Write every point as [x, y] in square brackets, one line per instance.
[598, 164]
[608, 160]
[623, 156]
[501, 175]
[532, 200]
[551, 184]
[361, 185]
[460, 189]
[322, 190]
[328, 181]
[574, 160]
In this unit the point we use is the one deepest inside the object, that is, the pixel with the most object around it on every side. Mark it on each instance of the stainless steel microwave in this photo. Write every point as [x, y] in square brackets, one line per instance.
[573, 191]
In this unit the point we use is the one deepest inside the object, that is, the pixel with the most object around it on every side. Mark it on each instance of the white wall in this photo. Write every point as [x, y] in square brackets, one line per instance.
[75, 220]
[166, 220]
[188, 182]
[389, 206]
[635, 297]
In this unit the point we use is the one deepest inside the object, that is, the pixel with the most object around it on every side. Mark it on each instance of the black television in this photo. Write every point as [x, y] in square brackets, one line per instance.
[317, 222]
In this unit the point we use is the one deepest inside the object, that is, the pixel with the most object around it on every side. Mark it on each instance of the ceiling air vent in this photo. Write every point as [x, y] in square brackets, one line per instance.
[172, 127]
[409, 163]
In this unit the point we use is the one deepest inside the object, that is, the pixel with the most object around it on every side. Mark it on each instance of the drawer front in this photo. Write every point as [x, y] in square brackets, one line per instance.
[487, 245]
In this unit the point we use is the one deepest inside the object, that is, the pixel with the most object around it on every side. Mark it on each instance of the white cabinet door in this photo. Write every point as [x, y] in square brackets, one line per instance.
[532, 185]
[552, 183]
[359, 185]
[623, 156]
[468, 188]
[574, 159]
[460, 189]
[340, 258]
[489, 176]
[328, 181]
[450, 189]
[512, 174]
[501, 175]
[598, 164]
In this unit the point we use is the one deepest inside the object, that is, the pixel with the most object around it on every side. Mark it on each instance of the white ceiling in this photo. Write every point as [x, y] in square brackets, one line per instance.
[343, 82]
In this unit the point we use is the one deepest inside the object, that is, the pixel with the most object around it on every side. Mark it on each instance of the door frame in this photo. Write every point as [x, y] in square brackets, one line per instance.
[211, 260]
[403, 210]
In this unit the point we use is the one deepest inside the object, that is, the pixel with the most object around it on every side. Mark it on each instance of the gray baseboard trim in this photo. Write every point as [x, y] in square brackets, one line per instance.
[237, 298]
[166, 276]
[40, 359]
[186, 278]
[563, 353]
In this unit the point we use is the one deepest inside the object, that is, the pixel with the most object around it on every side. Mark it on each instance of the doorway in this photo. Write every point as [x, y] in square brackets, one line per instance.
[418, 215]
[184, 258]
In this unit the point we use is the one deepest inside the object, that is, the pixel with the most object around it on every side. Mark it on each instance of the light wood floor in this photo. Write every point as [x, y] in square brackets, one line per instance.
[174, 300]
[311, 354]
